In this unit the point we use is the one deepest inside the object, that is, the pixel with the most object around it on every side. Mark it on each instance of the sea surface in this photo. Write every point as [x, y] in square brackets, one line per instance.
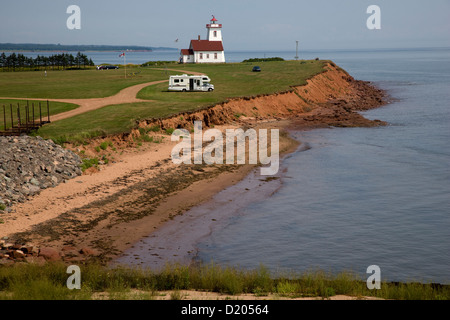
[349, 197]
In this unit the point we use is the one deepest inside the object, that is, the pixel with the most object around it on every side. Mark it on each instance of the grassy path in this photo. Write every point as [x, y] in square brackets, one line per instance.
[127, 95]
[107, 104]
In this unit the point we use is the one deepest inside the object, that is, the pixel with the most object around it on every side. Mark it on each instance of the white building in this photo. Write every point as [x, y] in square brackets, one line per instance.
[206, 51]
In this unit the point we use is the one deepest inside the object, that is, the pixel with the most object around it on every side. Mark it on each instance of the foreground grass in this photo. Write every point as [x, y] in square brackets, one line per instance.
[48, 282]
[230, 80]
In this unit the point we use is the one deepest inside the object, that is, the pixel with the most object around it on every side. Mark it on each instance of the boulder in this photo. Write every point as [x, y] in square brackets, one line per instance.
[49, 254]
[18, 254]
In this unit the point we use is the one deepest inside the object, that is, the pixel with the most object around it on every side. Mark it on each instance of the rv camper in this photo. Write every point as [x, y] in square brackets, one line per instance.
[190, 83]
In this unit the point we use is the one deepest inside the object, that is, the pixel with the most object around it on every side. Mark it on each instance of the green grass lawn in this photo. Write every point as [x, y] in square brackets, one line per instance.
[230, 80]
[74, 84]
[55, 108]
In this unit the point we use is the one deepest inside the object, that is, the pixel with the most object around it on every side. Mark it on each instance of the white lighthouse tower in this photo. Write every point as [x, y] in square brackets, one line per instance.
[206, 51]
[214, 30]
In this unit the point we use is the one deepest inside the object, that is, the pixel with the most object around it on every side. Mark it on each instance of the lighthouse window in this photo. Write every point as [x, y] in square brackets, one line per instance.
[215, 34]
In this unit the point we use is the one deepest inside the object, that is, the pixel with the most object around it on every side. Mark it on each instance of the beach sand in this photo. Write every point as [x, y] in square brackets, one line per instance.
[111, 209]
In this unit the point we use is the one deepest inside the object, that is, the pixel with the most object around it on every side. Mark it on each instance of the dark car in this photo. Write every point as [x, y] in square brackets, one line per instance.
[256, 69]
[107, 67]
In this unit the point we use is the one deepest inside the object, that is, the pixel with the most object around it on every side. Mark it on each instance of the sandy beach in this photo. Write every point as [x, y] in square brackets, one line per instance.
[111, 209]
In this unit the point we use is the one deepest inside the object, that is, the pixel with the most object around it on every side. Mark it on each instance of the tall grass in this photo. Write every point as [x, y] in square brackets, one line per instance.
[48, 282]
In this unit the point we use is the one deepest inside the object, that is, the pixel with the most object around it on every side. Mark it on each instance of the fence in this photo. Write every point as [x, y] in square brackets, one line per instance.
[23, 119]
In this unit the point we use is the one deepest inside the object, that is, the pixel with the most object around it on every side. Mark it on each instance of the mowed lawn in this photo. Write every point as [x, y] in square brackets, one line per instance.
[230, 80]
[74, 84]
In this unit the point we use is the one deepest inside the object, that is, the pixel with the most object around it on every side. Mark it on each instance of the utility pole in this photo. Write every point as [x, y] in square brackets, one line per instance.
[296, 50]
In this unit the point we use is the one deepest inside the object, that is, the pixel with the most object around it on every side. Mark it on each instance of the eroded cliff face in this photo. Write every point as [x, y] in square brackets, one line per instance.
[331, 98]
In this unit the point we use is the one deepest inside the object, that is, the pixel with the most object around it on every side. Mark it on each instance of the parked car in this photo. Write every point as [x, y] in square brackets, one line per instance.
[256, 69]
[107, 67]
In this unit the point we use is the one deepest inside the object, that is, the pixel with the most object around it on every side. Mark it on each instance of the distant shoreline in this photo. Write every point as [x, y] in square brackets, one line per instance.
[76, 50]
[34, 47]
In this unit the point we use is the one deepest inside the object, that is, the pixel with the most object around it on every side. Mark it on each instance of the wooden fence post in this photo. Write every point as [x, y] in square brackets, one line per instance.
[18, 117]
[12, 116]
[4, 116]
[27, 118]
[33, 114]
[40, 113]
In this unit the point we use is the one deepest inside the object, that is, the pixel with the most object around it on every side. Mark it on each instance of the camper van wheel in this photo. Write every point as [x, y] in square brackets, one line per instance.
[210, 89]
[184, 90]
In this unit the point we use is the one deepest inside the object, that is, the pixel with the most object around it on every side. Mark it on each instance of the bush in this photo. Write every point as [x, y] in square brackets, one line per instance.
[88, 163]
[154, 128]
[104, 145]
[157, 63]
[170, 130]
[264, 59]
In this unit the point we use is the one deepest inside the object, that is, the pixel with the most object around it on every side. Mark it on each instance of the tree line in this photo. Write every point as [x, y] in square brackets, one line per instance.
[73, 48]
[19, 62]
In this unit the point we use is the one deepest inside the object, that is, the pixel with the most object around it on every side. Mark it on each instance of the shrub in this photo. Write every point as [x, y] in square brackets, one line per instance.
[264, 59]
[88, 163]
[147, 138]
[154, 128]
[104, 145]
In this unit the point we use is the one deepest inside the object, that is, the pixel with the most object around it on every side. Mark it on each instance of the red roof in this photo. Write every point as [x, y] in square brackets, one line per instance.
[206, 45]
[213, 19]
[187, 52]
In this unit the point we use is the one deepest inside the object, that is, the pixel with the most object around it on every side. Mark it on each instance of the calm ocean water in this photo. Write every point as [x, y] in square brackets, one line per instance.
[356, 197]
[361, 196]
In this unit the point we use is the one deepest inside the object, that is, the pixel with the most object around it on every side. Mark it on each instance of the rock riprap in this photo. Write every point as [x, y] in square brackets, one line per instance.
[30, 164]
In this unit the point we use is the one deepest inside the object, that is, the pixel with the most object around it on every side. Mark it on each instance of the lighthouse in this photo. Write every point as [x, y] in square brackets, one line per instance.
[214, 30]
[206, 51]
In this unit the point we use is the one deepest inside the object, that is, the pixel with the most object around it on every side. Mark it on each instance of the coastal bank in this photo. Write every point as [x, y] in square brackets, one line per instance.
[104, 212]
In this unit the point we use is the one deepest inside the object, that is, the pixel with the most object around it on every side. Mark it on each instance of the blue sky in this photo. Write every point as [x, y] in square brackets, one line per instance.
[247, 24]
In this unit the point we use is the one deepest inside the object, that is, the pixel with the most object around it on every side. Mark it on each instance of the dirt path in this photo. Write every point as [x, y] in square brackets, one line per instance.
[127, 95]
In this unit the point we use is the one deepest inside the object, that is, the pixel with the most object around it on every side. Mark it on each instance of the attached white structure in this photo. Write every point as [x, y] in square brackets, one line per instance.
[206, 51]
